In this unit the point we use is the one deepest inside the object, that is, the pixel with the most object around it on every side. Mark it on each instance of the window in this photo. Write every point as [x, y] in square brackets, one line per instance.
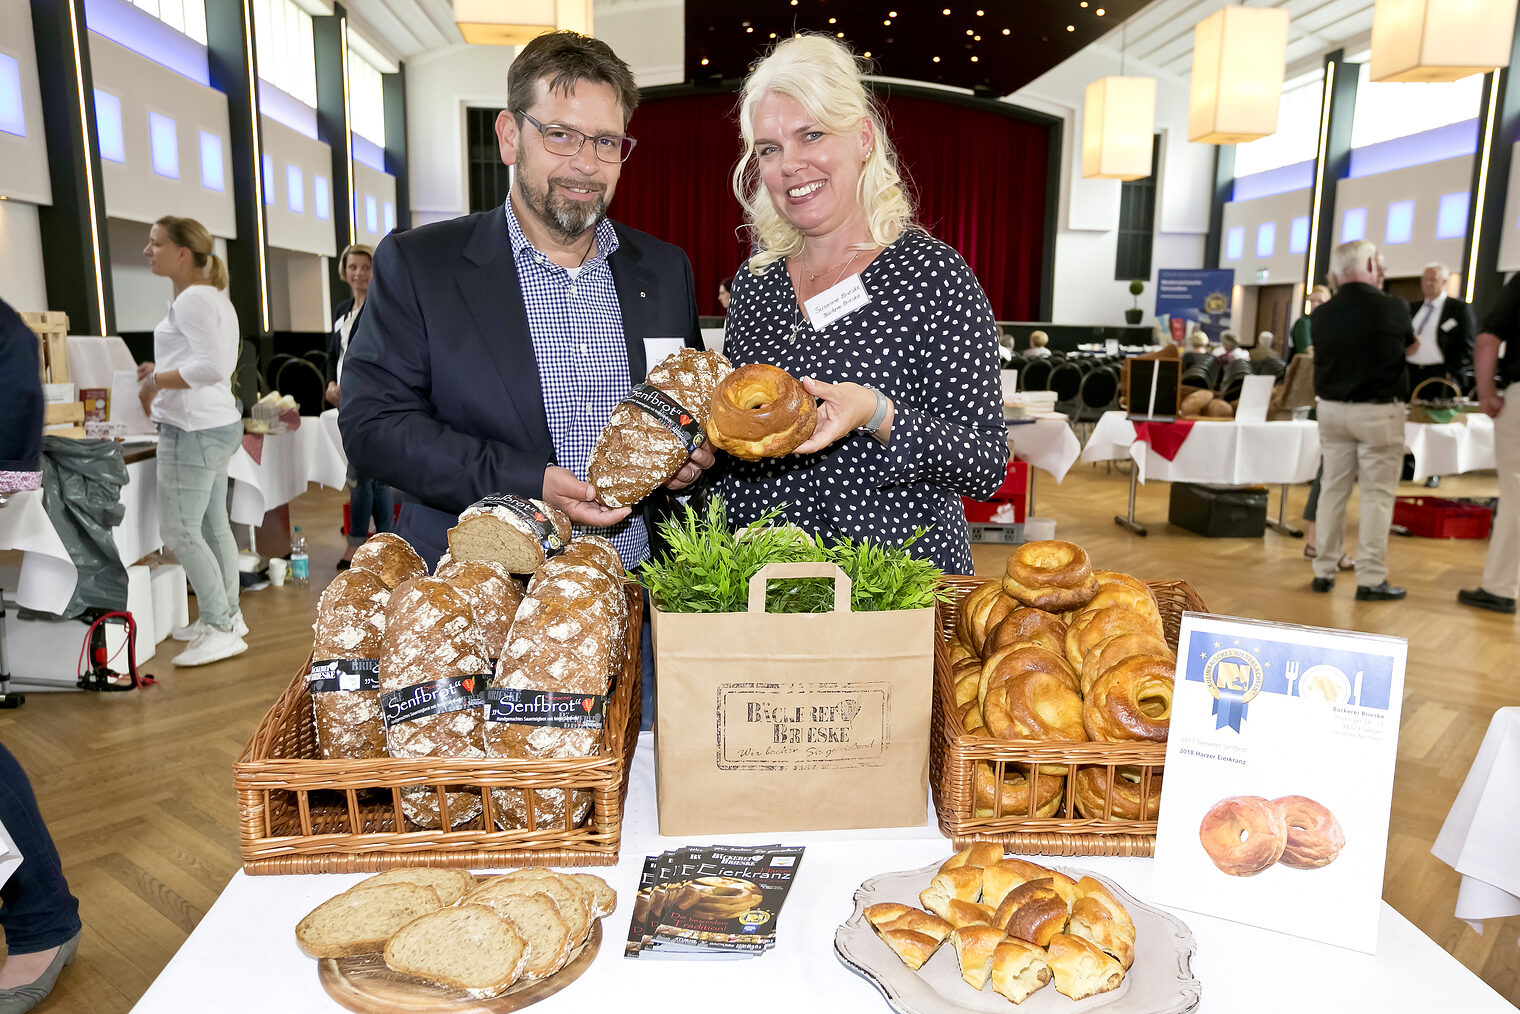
[295, 190]
[186, 16]
[212, 176]
[1266, 239]
[286, 48]
[321, 202]
[1389, 109]
[1235, 243]
[366, 99]
[1400, 227]
[390, 216]
[1354, 224]
[268, 174]
[108, 136]
[1297, 136]
[1137, 220]
[12, 115]
[371, 219]
[1451, 215]
[164, 139]
[1298, 235]
[488, 179]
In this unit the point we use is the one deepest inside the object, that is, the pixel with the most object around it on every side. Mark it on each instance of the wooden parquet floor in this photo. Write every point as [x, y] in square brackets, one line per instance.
[137, 789]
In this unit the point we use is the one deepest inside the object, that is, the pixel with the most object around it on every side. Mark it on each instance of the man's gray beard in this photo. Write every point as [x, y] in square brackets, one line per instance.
[570, 222]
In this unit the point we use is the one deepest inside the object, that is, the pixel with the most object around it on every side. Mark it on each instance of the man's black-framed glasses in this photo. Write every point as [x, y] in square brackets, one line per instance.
[560, 140]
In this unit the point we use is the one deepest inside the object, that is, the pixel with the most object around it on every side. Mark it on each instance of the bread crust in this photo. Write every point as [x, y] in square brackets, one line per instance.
[635, 454]
[389, 556]
[350, 625]
[1315, 837]
[1025, 625]
[1132, 701]
[1091, 789]
[1050, 575]
[760, 411]
[1256, 820]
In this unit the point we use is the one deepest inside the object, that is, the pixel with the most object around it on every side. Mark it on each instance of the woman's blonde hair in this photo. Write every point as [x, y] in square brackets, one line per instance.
[189, 233]
[351, 250]
[822, 74]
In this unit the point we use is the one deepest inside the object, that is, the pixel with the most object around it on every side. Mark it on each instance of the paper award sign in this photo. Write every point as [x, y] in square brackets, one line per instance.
[1279, 777]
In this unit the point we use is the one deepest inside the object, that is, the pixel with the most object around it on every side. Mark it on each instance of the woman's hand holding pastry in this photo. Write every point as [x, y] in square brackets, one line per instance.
[699, 461]
[842, 409]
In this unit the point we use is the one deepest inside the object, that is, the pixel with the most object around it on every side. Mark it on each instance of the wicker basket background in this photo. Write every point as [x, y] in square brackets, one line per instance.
[954, 756]
[299, 814]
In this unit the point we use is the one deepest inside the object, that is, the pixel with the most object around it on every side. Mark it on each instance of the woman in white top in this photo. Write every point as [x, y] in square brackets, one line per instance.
[187, 391]
[367, 497]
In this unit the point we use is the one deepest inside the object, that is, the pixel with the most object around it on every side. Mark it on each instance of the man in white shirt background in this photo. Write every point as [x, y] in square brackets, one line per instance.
[1444, 325]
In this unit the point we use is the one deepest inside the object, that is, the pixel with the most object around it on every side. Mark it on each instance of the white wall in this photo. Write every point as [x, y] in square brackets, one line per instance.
[297, 291]
[21, 280]
[140, 296]
[23, 160]
[649, 35]
[439, 86]
[133, 190]
[381, 188]
[1085, 290]
[1423, 184]
[1509, 243]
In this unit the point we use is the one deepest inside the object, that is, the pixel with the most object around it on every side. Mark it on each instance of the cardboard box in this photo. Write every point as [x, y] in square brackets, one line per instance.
[55, 412]
[793, 721]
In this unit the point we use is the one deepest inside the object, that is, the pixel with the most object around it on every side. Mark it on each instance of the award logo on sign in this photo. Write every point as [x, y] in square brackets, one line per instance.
[1234, 677]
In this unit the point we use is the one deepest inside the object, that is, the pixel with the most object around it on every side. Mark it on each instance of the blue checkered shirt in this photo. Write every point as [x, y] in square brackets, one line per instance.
[577, 329]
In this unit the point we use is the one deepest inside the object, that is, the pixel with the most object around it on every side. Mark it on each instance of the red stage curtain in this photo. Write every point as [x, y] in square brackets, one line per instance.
[978, 179]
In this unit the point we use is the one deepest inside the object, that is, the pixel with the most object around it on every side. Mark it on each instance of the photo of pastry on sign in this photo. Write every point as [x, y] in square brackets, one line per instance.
[1279, 776]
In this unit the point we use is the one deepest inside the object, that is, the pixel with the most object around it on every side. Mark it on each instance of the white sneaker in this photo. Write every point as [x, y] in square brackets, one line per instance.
[211, 646]
[191, 631]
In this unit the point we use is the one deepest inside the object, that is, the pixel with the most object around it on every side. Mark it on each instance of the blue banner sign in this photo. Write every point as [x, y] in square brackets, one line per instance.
[1202, 296]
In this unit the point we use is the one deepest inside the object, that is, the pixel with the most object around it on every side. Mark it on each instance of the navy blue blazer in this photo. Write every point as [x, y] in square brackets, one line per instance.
[441, 393]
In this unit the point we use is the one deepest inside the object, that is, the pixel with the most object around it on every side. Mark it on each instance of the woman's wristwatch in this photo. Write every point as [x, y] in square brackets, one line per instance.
[879, 416]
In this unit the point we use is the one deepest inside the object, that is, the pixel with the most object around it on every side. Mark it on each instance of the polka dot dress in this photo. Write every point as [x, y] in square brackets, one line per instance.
[927, 341]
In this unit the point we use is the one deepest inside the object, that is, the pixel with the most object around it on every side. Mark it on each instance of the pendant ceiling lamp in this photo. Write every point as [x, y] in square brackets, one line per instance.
[1239, 54]
[1426, 40]
[1118, 126]
[517, 22]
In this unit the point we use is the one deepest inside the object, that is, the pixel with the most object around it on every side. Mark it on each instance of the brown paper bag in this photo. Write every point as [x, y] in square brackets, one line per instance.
[796, 721]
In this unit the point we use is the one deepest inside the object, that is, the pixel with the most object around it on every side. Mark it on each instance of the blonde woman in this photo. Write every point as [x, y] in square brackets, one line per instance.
[187, 391]
[887, 326]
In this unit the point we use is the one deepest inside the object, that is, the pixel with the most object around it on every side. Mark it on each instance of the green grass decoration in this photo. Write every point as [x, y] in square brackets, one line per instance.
[709, 566]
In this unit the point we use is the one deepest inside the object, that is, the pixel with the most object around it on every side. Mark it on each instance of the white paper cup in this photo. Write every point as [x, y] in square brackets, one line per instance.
[277, 570]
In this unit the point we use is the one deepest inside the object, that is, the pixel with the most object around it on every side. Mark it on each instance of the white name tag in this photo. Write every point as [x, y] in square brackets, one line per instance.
[1448, 324]
[656, 349]
[348, 681]
[839, 301]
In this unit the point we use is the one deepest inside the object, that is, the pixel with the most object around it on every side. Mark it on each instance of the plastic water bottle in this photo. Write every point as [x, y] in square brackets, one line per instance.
[300, 568]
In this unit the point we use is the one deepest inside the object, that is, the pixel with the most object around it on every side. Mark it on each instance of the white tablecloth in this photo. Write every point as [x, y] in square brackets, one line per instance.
[1223, 453]
[1451, 448]
[1481, 836]
[1048, 444]
[48, 575]
[244, 953]
[289, 461]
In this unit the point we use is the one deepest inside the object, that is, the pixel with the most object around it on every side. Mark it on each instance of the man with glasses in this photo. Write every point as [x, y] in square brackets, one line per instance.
[494, 347]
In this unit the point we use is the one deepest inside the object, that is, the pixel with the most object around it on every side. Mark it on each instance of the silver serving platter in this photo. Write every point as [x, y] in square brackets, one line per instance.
[1159, 982]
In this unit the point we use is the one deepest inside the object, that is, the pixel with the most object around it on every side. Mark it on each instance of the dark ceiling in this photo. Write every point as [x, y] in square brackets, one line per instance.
[992, 47]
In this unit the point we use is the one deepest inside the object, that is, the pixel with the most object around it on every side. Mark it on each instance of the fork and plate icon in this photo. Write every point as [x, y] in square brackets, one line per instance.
[1323, 682]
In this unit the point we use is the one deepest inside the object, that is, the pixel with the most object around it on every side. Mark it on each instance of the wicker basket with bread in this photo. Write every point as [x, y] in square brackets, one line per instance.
[1053, 692]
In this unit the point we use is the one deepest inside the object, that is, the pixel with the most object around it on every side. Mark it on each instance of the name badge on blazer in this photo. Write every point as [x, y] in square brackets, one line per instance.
[838, 301]
[1448, 324]
[656, 349]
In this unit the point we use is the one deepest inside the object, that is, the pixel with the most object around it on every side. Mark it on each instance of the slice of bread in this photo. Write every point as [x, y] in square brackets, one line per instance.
[573, 900]
[451, 885]
[359, 922]
[537, 920]
[603, 897]
[467, 947]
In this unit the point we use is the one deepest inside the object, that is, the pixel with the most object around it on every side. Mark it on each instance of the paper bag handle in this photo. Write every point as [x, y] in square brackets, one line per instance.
[786, 571]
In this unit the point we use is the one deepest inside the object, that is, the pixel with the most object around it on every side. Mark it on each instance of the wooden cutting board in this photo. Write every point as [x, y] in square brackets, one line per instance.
[364, 985]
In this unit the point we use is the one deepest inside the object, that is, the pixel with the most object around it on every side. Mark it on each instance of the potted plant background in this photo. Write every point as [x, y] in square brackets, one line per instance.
[1132, 316]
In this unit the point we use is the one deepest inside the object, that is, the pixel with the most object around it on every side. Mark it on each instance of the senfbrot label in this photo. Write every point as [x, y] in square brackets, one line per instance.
[793, 727]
